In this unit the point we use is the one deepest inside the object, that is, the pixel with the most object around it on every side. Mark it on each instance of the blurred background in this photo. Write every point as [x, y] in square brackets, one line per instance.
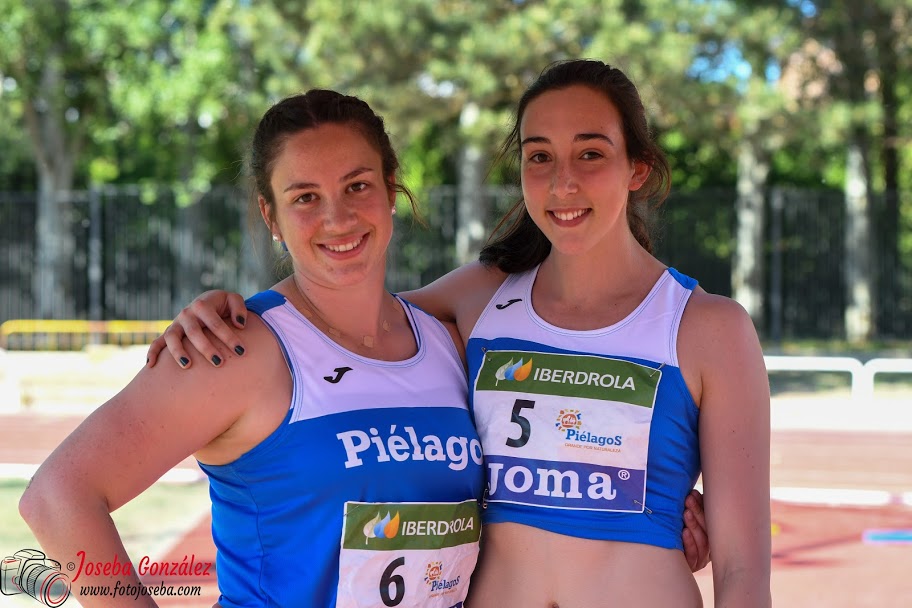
[788, 125]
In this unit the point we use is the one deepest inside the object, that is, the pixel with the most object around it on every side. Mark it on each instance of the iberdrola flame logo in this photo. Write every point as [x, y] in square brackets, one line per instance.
[388, 527]
[511, 371]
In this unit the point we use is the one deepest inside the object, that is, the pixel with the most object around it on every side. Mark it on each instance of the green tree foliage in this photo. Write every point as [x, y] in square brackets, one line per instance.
[167, 91]
[854, 67]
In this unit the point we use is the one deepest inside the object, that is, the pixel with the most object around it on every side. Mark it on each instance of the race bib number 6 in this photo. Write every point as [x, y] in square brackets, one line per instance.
[408, 554]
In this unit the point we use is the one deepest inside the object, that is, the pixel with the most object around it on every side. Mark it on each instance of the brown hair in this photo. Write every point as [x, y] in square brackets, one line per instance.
[308, 111]
[517, 244]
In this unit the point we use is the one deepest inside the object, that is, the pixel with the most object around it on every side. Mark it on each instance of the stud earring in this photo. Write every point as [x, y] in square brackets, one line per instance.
[275, 237]
[393, 211]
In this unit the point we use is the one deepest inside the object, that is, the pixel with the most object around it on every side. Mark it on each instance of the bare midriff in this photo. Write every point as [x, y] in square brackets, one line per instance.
[533, 568]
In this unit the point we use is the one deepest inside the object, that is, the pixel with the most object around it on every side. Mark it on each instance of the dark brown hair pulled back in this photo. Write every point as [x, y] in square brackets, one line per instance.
[308, 111]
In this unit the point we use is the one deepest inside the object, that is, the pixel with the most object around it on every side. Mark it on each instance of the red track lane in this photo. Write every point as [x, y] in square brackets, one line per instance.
[819, 557]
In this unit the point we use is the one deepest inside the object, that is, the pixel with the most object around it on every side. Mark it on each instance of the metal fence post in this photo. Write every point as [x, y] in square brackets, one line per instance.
[96, 312]
[775, 295]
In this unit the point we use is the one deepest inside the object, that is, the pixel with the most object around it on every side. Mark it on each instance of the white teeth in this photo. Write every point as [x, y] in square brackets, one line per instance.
[345, 247]
[566, 216]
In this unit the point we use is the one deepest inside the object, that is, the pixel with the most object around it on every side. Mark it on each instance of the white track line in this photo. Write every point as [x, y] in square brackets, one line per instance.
[809, 496]
[834, 497]
[27, 471]
[837, 497]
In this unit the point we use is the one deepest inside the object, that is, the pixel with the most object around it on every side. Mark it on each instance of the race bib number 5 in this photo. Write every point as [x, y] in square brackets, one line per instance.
[566, 431]
[408, 554]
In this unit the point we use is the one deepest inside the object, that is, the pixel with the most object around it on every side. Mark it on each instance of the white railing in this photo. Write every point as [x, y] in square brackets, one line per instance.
[862, 374]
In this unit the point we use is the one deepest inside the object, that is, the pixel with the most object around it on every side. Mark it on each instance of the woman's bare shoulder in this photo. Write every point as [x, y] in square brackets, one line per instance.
[717, 338]
[709, 314]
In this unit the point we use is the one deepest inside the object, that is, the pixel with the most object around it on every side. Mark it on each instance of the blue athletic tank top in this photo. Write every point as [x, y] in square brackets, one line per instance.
[591, 434]
[367, 493]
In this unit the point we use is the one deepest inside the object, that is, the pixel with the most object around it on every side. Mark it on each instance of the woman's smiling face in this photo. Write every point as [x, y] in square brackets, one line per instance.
[576, 174]
[332, 205]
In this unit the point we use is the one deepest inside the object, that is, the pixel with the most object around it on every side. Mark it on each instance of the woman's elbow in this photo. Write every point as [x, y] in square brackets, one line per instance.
[44, 502]
[32, 506]
[36, 503]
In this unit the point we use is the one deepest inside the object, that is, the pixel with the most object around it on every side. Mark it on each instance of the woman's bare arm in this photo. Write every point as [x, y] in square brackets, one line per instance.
[459, 296]
[160, 418]
[718, 337]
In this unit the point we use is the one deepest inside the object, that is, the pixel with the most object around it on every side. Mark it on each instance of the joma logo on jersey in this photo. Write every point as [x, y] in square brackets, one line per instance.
[520, 480]
[568, 376]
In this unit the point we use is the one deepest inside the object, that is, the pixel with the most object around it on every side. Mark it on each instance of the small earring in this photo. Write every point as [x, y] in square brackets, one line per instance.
[393, 211]
[275, 237]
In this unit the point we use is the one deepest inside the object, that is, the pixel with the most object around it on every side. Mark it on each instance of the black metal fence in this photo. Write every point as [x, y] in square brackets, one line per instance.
[138, 254]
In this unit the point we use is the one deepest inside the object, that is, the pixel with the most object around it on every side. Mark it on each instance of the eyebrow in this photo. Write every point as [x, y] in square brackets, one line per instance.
[579, 137]
[344, 178]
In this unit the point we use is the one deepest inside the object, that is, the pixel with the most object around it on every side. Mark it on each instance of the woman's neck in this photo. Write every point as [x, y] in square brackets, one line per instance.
[597, 288]
[355, 316]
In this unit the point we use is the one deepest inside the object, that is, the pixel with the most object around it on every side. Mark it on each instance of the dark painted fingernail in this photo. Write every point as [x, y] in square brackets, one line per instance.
[241, 319]
[216, 360]
[239, 350]
[184, 361]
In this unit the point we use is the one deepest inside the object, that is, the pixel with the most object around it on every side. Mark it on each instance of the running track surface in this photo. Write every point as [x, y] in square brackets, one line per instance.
[820, 557]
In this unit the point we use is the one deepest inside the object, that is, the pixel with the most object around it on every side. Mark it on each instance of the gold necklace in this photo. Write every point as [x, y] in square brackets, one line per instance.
[311, 311]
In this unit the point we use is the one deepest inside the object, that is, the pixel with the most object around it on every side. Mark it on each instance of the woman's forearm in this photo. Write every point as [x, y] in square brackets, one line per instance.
[741, 587]
[76, 530]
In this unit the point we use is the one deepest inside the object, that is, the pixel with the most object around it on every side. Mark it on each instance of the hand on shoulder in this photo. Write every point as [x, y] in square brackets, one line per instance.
[208, 311]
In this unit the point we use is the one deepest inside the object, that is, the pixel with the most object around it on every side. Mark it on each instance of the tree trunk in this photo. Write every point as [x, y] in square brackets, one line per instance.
[859, 279]
[747, 269]
[55, 158]
[49, 293]
[189, 249]
[471, 207]
[888, 218]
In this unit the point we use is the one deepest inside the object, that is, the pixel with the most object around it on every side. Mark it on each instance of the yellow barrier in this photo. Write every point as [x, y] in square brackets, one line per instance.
[47, 334]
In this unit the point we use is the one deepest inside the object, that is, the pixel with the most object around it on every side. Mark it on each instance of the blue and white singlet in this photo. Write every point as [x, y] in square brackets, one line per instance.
[591, 434]
[367, 493]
